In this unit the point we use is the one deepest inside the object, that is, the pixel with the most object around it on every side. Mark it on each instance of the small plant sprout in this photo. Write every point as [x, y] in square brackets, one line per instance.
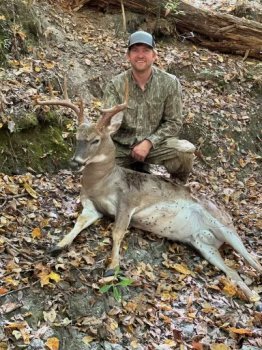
[115, 284]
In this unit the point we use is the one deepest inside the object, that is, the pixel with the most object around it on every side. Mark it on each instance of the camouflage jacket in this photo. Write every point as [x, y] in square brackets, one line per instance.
[153, 114]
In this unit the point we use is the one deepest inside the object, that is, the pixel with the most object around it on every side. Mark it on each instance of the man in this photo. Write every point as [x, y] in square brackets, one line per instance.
[153, 118]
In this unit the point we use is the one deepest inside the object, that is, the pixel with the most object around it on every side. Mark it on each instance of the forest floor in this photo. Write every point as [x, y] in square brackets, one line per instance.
[176, 300]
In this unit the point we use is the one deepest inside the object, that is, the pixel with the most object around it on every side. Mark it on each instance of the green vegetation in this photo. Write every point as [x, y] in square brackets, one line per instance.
[18, 29]
[172, 6]
[118, 282]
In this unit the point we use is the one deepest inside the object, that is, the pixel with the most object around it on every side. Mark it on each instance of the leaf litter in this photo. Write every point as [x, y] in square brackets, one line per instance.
[176, 299]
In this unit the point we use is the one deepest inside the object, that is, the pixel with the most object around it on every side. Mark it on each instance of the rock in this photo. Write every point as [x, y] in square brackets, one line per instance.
[36, 344]
[109, 346]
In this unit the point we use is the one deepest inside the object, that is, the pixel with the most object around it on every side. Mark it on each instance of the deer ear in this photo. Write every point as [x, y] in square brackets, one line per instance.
[115, 123]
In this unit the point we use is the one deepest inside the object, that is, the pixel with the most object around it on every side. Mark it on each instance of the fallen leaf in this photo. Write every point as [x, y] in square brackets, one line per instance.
[3, 290]
[170, 342]
[88, 339]
[166, 295]
[197, 345]
[217, 346]
[36, 233]
[17, 334]
[52, 343]
[49, 316]
[3, 346]
[37, 69]
[240, 330]
[8, 307]
[229, 288]
[29, 190]
[54, 276]
[11, 281]
[207, 308]
[182, 269]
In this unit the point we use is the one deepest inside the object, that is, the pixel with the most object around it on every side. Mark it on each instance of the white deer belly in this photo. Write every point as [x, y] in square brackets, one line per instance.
[176, 220]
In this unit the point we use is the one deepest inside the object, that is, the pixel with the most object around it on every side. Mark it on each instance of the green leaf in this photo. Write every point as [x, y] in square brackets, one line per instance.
[125, 282]
[117, 293]
[105, 288]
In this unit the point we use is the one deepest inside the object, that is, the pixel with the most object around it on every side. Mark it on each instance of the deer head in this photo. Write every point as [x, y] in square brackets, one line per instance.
[94, 144]
[93, 140]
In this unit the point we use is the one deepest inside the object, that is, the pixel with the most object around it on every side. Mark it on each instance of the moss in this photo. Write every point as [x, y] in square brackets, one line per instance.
[16, 17]
[39, 118]
[51, 117]
[26, 122]
[5, 41]
[42, 149]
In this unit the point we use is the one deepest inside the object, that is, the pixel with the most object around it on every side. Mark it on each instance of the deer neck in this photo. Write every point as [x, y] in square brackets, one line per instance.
[99, 169]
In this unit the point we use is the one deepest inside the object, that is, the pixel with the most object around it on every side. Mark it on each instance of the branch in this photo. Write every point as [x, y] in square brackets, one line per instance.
[123, 15]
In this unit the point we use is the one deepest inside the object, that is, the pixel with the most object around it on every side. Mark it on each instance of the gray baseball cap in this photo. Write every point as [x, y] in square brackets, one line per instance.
[141, 37]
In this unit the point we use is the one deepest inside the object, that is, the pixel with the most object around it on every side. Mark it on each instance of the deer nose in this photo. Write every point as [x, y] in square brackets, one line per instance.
[74, 165]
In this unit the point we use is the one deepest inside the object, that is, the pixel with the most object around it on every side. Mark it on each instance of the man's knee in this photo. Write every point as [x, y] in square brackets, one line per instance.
[182, 160]
[180, 166]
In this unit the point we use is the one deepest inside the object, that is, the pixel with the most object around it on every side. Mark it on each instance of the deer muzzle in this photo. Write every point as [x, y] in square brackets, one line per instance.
[76, 164]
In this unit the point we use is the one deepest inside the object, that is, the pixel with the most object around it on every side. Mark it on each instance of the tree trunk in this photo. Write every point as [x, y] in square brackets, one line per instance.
[216, 31]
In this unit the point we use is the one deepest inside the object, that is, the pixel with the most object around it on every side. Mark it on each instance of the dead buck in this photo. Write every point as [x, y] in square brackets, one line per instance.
[144, 201]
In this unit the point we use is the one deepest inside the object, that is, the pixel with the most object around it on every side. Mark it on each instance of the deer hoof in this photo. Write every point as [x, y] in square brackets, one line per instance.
[54, 251]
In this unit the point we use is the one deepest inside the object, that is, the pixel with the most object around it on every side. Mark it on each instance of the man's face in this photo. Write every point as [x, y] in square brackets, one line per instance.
[141, 57]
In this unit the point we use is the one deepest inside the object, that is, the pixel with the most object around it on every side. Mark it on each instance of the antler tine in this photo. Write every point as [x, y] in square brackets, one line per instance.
[66, 102]
[107, 114]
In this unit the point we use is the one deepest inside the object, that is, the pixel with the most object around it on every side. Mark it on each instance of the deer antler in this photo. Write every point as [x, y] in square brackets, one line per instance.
[66, 102]
[107, 114]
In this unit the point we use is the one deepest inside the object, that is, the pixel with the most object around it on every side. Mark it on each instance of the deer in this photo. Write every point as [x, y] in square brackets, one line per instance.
[144, 201]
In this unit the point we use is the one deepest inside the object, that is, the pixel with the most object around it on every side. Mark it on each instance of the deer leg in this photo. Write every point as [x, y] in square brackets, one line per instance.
[211, 254]
[223, 231]
[88, 216]
[121, 224]
[235, 241]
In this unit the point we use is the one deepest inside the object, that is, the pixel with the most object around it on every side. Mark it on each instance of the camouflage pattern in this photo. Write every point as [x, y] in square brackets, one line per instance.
[154, 114]
[177, 162]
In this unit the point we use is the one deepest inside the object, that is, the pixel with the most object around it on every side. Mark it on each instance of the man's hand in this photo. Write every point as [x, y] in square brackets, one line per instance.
[141, 150]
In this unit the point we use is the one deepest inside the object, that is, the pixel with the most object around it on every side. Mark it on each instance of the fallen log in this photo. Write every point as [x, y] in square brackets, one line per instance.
[216, 31]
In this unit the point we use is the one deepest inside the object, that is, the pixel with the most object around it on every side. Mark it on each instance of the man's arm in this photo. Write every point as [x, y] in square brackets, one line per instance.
[172, 116]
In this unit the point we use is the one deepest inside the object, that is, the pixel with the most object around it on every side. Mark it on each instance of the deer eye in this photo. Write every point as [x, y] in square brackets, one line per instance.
[94, 142]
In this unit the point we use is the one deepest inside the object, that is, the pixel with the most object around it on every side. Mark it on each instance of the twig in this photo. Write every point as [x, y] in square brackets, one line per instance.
[18, 290]
[14, 196]
[7, 198]
[246, 54]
